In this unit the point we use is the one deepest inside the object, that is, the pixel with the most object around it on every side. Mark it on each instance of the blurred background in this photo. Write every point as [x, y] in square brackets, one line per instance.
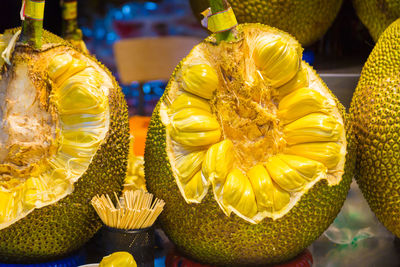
[346, 44]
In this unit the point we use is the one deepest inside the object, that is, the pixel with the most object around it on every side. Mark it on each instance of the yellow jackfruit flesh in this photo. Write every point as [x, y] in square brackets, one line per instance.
[200, 80]
[194, 120]
[188, 165]
[134, 179]
[277, 59]
[189, 101]
[253, 160]
[218, 162]
[118, 259]
[328, 153]
[238, 194]
[195, 189]
[77, 92]
[60, 110]
[302, 102]
[298, 81]
[251, 147]
[315, 127]
[269, 195]
[284, 175]
[196, 138]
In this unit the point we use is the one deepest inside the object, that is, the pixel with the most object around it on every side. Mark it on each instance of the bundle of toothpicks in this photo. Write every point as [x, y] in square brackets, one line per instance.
[133, 210]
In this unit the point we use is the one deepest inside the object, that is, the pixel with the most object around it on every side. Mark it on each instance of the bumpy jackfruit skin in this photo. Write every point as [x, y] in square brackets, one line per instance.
[54, 231]
[306, 20]
[375, 128]
[204, 233]
[377, 15]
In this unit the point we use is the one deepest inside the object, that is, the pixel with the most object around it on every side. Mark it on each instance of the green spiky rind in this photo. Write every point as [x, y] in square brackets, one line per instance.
[307, 21]
[375, 129]
[377, 15]
[59, 229]
[204, 233]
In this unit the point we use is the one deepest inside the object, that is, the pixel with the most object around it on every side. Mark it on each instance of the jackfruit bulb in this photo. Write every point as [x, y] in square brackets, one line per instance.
[377, 15]
[247, 145]
[63, 139]
[134, 179]
[306, 20]
[375, 128]
[118, 259]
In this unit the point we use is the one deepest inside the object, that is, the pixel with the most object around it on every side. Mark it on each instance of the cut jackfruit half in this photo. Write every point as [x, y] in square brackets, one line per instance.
[51, 127]
[252, 124]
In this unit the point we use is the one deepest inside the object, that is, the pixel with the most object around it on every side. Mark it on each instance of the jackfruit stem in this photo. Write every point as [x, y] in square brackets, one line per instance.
[32, 28]
[70, 30]
[218, 6]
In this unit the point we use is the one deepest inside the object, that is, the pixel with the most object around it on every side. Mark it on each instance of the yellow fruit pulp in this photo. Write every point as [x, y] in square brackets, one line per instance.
[51, 127]
[254, 124]
[118, 259]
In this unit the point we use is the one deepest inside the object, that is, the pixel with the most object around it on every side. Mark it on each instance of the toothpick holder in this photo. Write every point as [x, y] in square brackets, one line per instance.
[138, 242]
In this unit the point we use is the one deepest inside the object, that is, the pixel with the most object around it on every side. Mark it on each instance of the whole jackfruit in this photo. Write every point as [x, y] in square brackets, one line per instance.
[247, 147]
[306, 20]
[64, 138]
[375, 129]
[377, 15]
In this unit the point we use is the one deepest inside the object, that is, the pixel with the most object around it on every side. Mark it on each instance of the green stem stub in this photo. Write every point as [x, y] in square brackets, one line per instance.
[32, 25]
[70, 29]
[222, 21]
[69, 10]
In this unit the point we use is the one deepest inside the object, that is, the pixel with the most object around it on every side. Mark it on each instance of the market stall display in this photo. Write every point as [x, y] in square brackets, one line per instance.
[252, 153]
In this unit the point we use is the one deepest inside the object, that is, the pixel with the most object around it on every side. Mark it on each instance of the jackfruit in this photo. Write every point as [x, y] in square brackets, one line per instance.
[377, 15]
[307, 21]
[248, 146]
[134, 179]
[374, 128]
[118, 259]
[64, 138]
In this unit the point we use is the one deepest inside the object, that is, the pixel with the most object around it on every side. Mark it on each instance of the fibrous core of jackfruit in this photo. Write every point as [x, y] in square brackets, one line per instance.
[252, 124]
[54, 115]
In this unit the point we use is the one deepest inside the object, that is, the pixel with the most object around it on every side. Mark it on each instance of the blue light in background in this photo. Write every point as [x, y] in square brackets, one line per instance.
[146, 88]
[308, 56]
[118, 15]
[111, 37]
[150, 6]
[126, 9]
[86, 31]
[99, 33]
